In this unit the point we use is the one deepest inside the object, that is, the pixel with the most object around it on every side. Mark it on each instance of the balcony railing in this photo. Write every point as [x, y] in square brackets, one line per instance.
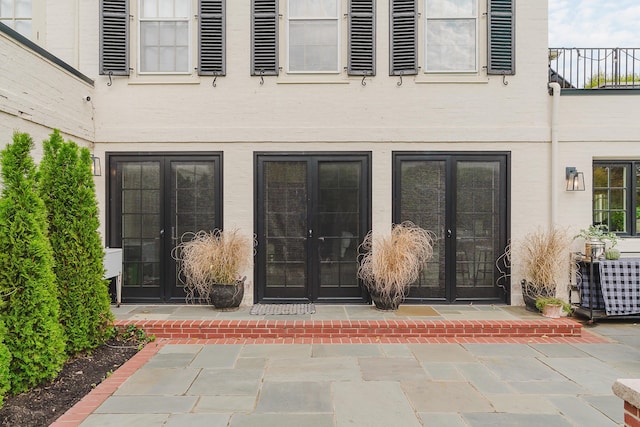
[580, 69]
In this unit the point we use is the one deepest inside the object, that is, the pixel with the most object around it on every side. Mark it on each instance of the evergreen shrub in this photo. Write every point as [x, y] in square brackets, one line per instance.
[67, 188]
[5, 361]
[29, 311]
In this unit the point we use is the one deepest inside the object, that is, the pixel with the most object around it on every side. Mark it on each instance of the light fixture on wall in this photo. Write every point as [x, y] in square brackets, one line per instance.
[575, 179]
[96, 169]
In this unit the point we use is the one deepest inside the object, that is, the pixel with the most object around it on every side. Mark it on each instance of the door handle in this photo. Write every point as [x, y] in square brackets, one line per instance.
[449, 233]
[310, 234]
[162, 232]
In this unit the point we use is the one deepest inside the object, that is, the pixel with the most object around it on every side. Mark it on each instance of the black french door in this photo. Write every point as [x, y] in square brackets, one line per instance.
[462, 198]
[312, 212]
[153, 200]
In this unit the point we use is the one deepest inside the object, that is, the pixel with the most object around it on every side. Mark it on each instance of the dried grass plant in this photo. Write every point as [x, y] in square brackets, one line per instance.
[208, 257]
[390, 264]
[545, 260]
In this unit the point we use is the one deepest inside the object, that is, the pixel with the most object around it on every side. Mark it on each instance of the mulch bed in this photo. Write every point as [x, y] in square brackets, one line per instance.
[43, 405]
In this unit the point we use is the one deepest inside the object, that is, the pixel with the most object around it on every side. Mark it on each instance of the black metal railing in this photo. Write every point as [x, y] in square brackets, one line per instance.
[595, 68]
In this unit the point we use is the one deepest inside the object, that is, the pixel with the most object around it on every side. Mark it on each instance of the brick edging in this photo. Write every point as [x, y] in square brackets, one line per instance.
[85, 407]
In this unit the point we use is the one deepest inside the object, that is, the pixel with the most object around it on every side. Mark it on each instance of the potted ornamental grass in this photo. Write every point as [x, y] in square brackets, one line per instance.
[545, 258]
[390, 264]
[210, 264]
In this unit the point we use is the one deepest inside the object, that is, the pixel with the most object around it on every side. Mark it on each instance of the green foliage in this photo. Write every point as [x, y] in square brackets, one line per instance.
[67, 188]
[542, 301]
[5, 361]
[599, 232]
[134, 335]
[27, 283]
[600, 80]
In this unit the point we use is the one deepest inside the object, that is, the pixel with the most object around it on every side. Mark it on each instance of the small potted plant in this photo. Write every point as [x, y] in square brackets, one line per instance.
[390, 264]
[544, 254]
[552, 307]
[210, 265]
[596, 238]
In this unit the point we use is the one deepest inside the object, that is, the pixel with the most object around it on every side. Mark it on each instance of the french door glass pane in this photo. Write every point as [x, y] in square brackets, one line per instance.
[338, 217]
[193, 197]
[477, 224]
[285, 186]
[193, 201]
[423, 201]
[140, 216]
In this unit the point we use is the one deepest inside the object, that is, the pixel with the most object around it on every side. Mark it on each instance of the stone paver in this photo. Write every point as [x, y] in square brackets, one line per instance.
[392, 369]
[375, 384]
[446, 396]
[372, 404]
[294, 397]
[158, 381]
[217, 357]
[226, 382]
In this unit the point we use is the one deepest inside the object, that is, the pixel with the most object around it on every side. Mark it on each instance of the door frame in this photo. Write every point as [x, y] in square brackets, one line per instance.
[365, 158]
[504, 291]
[113, 234]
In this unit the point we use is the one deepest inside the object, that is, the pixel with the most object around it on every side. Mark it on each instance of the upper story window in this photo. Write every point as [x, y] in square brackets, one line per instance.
[165, 36]
[616, 196]
[451, 35]
[17, 15]
[313, 35]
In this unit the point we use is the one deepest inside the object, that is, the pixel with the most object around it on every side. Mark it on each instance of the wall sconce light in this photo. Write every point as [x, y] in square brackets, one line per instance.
[575, 179]
[96, 169]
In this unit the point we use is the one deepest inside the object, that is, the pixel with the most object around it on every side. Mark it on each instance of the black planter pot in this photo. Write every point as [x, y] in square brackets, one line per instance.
[528, 292]
[386, 303]
[227, 296]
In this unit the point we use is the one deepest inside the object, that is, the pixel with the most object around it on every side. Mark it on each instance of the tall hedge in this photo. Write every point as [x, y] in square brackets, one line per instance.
[67, 188]
[5, 362]
[27, 283]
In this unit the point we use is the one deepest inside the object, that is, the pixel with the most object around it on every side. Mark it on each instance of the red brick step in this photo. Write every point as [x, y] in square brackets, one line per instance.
[375, 329]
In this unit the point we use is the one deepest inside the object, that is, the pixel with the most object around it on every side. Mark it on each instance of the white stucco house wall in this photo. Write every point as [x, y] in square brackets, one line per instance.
[308, 123]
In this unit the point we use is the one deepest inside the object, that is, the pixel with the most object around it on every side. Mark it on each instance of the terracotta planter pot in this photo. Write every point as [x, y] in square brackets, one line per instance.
[553, 311]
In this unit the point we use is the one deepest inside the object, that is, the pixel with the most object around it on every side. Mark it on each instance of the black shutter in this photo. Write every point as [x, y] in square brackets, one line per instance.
[362, 38]
[502, 39]
[114, 37]
[403, 37]
[264, 37]
[211, 38]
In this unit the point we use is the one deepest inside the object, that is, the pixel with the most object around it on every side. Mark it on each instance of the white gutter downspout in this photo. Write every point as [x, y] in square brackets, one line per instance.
[555, 107]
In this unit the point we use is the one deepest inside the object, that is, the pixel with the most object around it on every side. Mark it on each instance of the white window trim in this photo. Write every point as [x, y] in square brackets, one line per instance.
[340, 28]
[477, 41]
[135, 44]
